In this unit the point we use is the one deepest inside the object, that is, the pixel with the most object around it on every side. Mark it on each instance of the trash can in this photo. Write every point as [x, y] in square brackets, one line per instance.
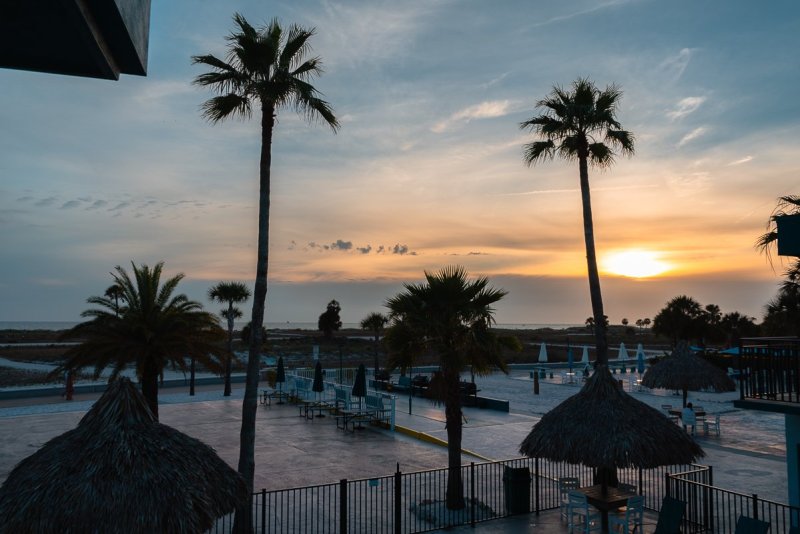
[517, 486]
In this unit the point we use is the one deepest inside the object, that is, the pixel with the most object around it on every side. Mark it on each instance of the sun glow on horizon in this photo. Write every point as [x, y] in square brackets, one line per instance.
[635, 263]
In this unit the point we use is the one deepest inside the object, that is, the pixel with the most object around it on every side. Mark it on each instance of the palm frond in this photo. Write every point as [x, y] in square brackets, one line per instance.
[221, 107]
[538, 151]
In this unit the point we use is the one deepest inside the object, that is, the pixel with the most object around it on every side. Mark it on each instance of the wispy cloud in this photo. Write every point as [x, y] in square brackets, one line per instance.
[598, 7]
[686, 106]
[691, 136]
[745, 159]
[675, 65]
[484, 110]
[70, 204]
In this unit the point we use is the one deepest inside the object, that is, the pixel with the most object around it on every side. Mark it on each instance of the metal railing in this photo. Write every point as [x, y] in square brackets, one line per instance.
[713, 509]
[408, 503]
[769, 369]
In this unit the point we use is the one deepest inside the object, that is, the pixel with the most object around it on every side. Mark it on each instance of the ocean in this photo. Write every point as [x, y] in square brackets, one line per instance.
[63, 325]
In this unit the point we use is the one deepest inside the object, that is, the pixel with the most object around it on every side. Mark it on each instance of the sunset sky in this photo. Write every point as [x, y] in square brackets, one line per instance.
[427, 168]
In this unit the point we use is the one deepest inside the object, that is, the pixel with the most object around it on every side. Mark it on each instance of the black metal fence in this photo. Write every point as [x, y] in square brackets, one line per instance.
[769, 369]
[712, 509]
[407, 503]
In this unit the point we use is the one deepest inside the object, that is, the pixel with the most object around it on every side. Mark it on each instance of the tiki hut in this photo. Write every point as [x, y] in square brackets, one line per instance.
[602, 426]
[686, 372]
[120, 471]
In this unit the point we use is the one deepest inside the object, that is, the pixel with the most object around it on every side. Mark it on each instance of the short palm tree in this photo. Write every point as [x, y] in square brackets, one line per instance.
[229, 293]
[265, 67]
[375, 322]
[154, 329]
[114, 292]
[580, 124]
[450, 316]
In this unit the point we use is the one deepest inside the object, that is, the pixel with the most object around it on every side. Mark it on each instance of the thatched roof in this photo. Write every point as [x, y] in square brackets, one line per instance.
[683, 370]
[120, 471]
[602, 426]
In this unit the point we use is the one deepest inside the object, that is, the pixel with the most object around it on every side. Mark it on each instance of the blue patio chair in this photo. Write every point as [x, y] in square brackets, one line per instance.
[670, 516]
[631, 519]
[748, 525]
[565, 485]
[579, 507]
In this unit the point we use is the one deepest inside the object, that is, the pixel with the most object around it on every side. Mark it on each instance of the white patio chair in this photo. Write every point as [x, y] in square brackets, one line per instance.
[565, 485]
[579, 508]
[711, 425]
[631, 519]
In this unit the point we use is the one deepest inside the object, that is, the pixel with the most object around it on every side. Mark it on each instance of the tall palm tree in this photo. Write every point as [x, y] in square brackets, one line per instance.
[375, 322]
[450, 316]
[265, 67]
[580, 124]
[154, 329]
[229, 293]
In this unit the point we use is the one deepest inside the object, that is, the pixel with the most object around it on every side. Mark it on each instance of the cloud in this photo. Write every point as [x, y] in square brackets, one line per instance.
[341, 245]
[484, 110]
[686, 106]
[25, 198]
[70, 204]
[120, 206]
[98, 204]
[45, 202]
[691, 136]
[675, 65]
[402, 250]
[745, 159]
[364, 250]
[380, 250]
[292, 245]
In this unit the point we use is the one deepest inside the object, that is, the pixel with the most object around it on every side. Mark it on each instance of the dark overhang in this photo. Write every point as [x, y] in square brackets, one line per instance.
[91, 38]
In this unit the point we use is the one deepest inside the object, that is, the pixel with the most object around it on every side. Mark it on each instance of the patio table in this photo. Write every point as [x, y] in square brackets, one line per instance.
[611, 500]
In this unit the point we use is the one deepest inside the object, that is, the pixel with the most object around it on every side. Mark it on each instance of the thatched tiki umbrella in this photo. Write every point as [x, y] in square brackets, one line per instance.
[603, 427]
[360, 384]
[687, 372]
[120, 471]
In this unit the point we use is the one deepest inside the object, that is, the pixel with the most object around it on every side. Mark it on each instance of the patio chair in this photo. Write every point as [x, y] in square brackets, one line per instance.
[711, 425]
[670, 516]
[667, 408]
[632, 518]
[579, 507]
[748, 525]
[565, 485]
[688, 419]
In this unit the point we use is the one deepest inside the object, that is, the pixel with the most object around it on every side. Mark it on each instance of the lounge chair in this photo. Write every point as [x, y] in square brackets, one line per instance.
[670, 516]
[748, 525]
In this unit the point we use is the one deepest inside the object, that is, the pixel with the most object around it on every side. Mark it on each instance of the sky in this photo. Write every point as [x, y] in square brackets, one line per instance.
[427, 168]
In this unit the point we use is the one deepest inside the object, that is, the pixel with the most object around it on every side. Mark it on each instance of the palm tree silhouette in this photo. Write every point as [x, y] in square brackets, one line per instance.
[229, 293]
[375, 322]
[153, 330]
[450, 316]
[265, 67]
[580, 124]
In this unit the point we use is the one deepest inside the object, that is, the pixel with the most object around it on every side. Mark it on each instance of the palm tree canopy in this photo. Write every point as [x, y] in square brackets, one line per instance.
[229, 292]
[374, 322]
[154, 326]
[450, 315]
[266, 64]
[578, 123]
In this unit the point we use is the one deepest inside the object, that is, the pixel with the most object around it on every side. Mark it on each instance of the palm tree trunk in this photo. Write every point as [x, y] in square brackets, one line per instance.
[149, 379]
[192, 372]
[452, 410]
[247, 435]
[227, 391]
[601, 342]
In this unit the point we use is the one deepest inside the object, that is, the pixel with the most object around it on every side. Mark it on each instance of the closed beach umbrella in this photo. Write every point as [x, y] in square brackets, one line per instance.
[608, 429]
[318, 385]
[120, 471]
[360, 383]
[640, 358]
[623, 352]
[543, 352]
[585, 356]
[686, 372]
[569, 358]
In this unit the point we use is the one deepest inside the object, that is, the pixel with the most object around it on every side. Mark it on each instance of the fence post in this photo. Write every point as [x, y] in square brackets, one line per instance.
[666, 484]
[263, 510]
[640, 492]
[536, 487]
[343, 506]
[709, 498]
[398, 501]
[755, 506]
[472, 494]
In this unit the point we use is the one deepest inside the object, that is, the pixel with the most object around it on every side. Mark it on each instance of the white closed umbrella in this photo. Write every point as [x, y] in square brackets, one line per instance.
[585, 357]
[623, 352]
[543, 352]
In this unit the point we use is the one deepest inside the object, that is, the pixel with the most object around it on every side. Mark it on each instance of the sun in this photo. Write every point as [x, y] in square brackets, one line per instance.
[635, 263]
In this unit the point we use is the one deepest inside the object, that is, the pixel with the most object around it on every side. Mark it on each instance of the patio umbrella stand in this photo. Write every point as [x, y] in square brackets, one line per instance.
[280, 378]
